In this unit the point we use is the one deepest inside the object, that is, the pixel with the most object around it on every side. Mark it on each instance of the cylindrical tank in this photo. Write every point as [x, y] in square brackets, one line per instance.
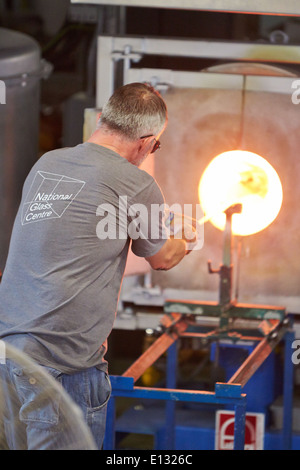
[21, 70]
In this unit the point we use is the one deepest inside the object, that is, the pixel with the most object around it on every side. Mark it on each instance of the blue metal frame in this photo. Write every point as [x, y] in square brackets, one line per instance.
[224, 394]
[288, 390]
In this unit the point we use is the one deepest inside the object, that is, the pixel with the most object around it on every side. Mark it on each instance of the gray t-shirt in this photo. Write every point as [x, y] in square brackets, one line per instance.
[68, 251]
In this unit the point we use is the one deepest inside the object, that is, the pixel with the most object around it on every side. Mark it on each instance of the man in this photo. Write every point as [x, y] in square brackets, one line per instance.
[60, 286]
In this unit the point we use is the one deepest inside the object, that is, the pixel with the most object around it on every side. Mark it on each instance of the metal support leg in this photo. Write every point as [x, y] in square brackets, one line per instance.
[234, 392]
[288, 392]
[109, 438]
[239, 426]
[170, 404]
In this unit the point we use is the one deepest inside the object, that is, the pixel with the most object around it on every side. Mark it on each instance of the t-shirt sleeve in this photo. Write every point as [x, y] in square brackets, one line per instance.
[146, 216]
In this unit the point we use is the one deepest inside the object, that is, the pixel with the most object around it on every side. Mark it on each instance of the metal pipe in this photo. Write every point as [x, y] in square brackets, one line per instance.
[257, 357]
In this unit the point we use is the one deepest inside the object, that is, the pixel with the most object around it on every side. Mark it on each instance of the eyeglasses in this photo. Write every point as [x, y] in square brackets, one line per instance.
[156, 145]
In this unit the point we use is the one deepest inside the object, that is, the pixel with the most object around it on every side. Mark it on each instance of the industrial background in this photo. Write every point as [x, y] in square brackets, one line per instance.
[230, 77]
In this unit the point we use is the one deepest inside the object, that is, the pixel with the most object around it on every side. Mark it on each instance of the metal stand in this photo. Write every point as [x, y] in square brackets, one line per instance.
[181, 320]
[223, 395]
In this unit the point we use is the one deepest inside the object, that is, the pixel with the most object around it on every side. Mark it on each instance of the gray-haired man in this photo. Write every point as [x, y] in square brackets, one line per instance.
[60, 286]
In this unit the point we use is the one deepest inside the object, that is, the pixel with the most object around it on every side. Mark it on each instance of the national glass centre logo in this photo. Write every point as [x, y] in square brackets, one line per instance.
[49, 196]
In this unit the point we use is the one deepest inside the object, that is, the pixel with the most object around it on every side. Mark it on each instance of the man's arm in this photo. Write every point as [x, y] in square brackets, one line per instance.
[172, 252]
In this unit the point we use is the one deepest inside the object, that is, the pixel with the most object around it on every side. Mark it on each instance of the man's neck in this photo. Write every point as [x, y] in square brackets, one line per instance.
[124, 148]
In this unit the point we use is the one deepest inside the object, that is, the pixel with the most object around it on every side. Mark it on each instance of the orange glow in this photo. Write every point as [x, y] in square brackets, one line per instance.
[242, 177]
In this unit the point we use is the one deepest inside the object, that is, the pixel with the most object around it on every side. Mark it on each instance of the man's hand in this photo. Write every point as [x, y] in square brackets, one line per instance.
[183, 238]
[190, 235]
[181, 228]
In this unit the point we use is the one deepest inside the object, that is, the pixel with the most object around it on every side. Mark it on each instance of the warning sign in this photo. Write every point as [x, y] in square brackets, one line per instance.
[254, 430]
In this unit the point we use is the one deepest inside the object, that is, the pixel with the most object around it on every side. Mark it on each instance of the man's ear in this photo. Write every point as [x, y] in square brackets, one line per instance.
[99, 115]
[145, 142]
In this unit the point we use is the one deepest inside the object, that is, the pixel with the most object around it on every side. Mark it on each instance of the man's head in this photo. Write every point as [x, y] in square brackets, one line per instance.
[135, 110]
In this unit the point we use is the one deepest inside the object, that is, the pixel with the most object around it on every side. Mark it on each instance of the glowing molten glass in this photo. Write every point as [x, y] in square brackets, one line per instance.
[240, 177]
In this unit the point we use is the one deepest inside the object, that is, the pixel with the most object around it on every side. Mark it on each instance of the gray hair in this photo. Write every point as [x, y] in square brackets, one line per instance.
[135, 110]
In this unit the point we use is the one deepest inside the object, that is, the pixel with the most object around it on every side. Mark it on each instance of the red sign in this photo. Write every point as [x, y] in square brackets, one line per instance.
[254, 430]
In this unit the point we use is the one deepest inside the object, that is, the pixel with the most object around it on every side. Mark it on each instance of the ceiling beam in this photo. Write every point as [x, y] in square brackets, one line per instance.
[259, 7]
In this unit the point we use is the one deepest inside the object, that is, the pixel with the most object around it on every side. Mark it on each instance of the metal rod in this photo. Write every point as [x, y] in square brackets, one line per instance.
[197, 396]
[170, 406]
[238, 268]
[149, 357]
[207, 336]
[258, 356]
[239, 426]
[252, 363]
[156, 350]
[109, 438]
[288, 390]
[226, 268]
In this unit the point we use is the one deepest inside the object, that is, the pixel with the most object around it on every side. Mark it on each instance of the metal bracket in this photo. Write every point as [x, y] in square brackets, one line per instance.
[126, 55]
[111, 49]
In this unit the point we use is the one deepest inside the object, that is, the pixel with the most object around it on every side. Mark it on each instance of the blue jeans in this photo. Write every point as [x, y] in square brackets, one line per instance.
[40, 417]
